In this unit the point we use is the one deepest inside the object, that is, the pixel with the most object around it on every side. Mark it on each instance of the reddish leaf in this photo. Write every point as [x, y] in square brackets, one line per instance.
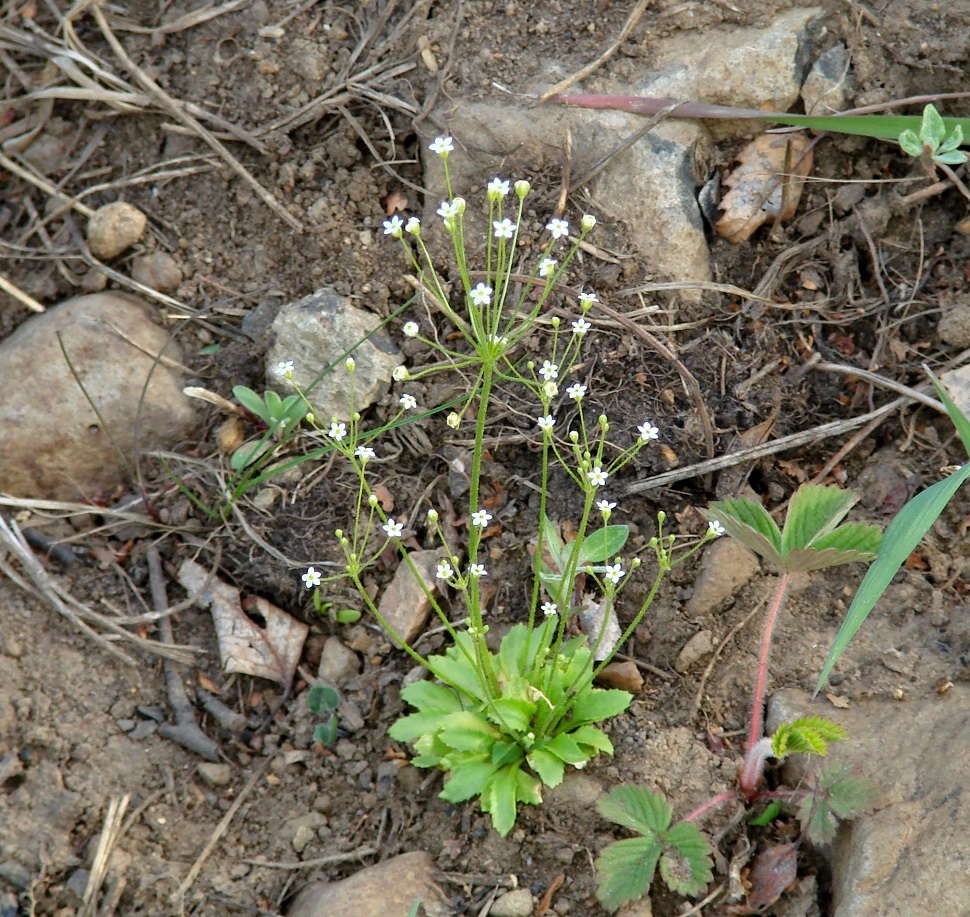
[772, 871]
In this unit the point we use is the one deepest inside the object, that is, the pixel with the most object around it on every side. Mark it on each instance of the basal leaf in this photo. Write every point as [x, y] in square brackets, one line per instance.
[901, 537]
[468, 780]
[250, 401]
[429, 695]
[528, 788]
[499, 800]
[411, 728]
[592, 738]
[638, 808]
[813, 511]
[686, 865]
[565, 747]
[603, 544]
[751, 524]
[512, 713]
[456, 670]
[548, 766]
[466, 731]
[595, 705]
[626, 870]
[518, 649]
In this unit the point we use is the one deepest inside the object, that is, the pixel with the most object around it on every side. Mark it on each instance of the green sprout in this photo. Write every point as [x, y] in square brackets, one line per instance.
[932, 144]
[323, 701]
[280, 415]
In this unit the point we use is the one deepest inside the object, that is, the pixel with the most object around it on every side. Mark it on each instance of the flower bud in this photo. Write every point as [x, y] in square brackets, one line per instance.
[588, 222]
[372, 501]
[351, 364]
[411, 329]
[432, 516]
[400, 374]
[453, 420]
[522, 188]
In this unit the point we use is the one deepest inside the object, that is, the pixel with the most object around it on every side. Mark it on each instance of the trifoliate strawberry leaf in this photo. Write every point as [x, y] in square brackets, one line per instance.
[814, 511]
[751, 524]
[638, 808]
[626, 870]
[686, 865]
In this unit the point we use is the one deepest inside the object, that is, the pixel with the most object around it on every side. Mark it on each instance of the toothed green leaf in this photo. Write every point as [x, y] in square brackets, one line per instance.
[751, 524]
[809, 735]
[686, 865]
[626, 870]
[638, 808]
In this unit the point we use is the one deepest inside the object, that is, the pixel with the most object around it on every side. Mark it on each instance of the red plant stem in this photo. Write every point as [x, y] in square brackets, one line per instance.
[761, 681]
[712, 803]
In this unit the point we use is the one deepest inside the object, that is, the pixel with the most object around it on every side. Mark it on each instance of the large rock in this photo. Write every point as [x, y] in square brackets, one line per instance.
[385, 890]
[909, 856]
[318, 331]
[54, 444]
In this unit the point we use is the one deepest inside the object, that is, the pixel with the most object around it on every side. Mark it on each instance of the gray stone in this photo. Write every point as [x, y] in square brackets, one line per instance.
[694, 650]
[114, 227]
[726, 566]
[317, 331]
[954, 327]
[338, 663]
[54, 445]
[516, 903]
[215, 775]
[159, 271]
[578, 792]
[908, 856]
[387, 889]
[827, 87]
[404, 604]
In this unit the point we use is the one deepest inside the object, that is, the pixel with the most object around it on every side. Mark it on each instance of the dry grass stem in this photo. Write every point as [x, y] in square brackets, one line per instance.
[21, 297]
[110, 834]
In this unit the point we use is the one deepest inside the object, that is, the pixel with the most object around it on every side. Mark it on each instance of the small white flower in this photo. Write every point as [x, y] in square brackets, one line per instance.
[604, 506]
[481, 295]
[393, 529]
[365, 453]
[576, 391]
[408, 402]
[350, 364]
[550, 389]
[477, 570]
[549, 608]
[597, 476]
[522, 188]
[394, 227]
[498, 339]
[444, 571]
[504, 229]
[338, 431]
[442, 146]
[546, 423]
[448, 210]
[588, 222]
[546, 267]
[549, 370]
[453, 420]
[413, 226]
[587, 299]
[581, 326]
[647, 431]
[497, 188]
[481, 518]
[614, 572]
[410, 329]
[715, 528]
[558, 228]
[284, 368]
[311, 578]
[400, 374]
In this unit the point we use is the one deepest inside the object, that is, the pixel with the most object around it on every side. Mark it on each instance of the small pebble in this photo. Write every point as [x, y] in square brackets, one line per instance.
[623, 675]
[215, 775]
[115, 227]
[516, 903]
[698, 647]
[158, 271]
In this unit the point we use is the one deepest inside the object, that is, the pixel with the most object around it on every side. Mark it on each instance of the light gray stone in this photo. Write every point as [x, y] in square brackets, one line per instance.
[515, 903]
[726, 566]
[215, 775]
[404, 604]
[318, 330]
[338, 663]
[160, 271]
[54, 444]
[908, 857]
[114, 227]
[387, 889]
[694, 650]
[827, 88]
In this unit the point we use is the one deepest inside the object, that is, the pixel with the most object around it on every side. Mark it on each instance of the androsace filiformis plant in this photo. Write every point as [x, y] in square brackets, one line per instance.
[505, 723]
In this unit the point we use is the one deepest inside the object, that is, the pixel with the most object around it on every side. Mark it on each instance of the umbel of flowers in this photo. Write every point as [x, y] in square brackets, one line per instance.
[503, 724]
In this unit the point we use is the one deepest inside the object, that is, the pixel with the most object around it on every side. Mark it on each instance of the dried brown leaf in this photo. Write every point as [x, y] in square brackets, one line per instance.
[269, 652]
[766, 185]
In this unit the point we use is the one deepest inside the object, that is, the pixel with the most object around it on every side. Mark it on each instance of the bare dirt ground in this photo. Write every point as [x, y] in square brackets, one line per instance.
[862, 290]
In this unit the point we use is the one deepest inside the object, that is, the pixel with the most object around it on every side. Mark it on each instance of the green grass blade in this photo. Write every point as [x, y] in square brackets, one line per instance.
[959, 419]
[902, 536]
[879, 127]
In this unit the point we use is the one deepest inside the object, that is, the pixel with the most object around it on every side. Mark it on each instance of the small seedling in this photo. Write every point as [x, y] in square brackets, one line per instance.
[279, 415]
[330, 610]
[323, 701]
[814, 537]
[932, 144]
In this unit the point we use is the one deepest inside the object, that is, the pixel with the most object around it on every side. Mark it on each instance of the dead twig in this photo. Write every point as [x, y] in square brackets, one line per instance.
[110, 834]
[186, 730]
[12, 290]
